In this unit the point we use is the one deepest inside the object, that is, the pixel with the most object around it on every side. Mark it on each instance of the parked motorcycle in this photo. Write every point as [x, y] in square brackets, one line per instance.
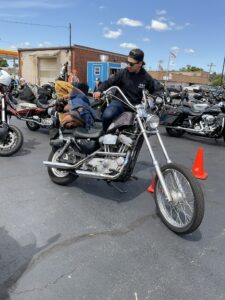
[34, 116]
[112, 156]
[197, 119]
[11, 137]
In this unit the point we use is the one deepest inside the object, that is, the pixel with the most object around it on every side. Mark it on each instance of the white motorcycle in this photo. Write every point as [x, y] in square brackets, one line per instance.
[112, 156]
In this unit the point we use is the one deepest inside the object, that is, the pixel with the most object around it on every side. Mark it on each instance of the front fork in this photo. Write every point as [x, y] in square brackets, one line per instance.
[154, 160]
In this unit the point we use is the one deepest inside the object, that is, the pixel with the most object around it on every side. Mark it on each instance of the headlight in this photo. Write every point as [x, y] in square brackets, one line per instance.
[158, 100]
[152, 122]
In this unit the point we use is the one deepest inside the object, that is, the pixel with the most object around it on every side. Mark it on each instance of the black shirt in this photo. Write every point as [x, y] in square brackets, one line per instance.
[130, 83]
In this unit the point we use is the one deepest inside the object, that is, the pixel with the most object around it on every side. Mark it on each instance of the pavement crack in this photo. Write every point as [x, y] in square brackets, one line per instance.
[87, 236]
[48, 284]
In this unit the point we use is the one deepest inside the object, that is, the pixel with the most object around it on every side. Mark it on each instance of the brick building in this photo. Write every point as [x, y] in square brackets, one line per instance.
[181, 78]
[41, 65]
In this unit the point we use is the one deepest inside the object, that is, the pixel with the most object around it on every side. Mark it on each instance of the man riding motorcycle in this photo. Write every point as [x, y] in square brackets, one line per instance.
[131, 80]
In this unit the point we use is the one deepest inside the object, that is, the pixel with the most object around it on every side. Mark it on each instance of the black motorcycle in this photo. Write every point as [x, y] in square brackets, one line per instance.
[112, 156]
[11, 137]
[197, 119]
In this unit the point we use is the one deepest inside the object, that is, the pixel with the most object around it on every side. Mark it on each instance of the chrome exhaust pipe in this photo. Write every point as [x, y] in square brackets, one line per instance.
[89, 174]
[96, 175]
[64, 166]
[30, 120]
[187, 129]
[58, 165]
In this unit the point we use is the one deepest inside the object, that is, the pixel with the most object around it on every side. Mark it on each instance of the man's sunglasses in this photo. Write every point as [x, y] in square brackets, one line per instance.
[132, 63]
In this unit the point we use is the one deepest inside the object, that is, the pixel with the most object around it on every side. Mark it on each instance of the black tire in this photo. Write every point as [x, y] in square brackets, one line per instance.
[175, 132]
[176, 185]
[32, 125]
[60, 177]
[12, 143]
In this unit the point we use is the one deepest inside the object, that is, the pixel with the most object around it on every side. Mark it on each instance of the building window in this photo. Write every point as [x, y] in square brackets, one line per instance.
[97, 70]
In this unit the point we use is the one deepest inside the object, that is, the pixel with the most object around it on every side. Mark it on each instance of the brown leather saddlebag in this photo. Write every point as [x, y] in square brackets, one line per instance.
[70, 119]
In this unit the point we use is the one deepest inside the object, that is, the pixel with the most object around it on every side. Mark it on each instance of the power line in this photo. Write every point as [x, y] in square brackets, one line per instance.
[210, 67]
[33, 24]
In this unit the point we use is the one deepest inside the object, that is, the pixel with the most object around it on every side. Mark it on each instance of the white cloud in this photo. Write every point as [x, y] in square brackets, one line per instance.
[44, 44]
[162, 19]
[158, 26]
[112, 34]
[162, 25]
[146, 39]
[161, 12]
[175, 48]
[129, 22]
[101, 7]
[128, 45]
[189, 51]
[100, 23]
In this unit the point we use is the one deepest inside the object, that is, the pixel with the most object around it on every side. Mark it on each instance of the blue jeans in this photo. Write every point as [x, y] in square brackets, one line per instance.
[112, 111]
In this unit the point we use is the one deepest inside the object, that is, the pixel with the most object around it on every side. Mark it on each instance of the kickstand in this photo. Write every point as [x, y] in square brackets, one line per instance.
[115, 187]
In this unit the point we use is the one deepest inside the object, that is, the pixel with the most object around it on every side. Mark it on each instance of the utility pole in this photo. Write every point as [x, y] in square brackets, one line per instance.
[160, 64]
[221, 81]
[210, 69]
[70, 34]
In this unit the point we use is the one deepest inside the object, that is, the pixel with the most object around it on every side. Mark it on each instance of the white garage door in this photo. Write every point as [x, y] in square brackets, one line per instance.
[47, 70]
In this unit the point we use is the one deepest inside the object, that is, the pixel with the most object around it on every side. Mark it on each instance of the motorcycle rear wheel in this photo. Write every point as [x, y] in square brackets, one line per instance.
[185, 213]
[175, 132]
[32, 125]
[12, 143]
[59, 176]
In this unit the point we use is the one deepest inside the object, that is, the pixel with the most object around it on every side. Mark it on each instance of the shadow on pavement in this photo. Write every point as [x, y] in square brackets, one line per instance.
[15, 259]
[193, 237]
[28, 146]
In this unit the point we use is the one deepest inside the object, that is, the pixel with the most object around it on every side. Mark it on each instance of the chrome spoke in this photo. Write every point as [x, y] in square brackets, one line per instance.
[180, 211]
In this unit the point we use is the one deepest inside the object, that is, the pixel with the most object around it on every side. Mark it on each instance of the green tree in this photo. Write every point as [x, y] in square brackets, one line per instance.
[3, 63]
[216, 80]
[190, 68]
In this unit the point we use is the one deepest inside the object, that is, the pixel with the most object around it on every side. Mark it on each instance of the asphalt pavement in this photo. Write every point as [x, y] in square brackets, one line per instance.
[89, 241]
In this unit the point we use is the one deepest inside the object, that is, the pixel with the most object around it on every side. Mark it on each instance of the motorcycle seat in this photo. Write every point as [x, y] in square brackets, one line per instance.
[189, 111]
[79, 132]
[25, 105]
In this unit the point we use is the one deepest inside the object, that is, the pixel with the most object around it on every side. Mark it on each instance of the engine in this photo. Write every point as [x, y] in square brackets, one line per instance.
[208, 119]
[106, 165]
[207, 125]
[109, 163]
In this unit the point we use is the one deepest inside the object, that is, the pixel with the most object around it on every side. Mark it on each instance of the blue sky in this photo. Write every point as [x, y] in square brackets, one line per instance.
[194, 30]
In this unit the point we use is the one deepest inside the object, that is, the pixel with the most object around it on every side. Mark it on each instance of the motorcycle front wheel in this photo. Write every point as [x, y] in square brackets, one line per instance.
[32, 125]
[12, 143]
[185, 212]
[60, 176]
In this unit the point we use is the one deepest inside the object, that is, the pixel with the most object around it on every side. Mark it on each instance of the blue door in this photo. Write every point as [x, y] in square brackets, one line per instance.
[95, 70]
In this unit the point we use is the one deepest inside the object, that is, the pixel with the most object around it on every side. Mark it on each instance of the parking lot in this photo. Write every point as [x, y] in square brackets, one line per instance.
[89, 241]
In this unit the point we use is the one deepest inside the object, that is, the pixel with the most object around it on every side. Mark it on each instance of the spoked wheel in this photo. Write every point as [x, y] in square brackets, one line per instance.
[175, 132]
[60, 176]
[185, 212]
[32, 125]
[12, 143]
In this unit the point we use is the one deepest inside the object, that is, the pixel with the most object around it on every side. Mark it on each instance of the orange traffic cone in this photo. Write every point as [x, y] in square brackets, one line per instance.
[151, 188]
[198, 166]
